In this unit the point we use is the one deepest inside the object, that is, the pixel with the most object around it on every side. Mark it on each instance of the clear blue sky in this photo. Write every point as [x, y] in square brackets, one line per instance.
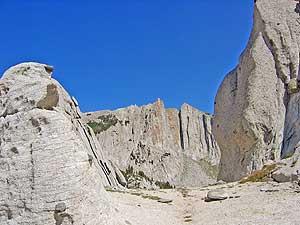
[115, 53]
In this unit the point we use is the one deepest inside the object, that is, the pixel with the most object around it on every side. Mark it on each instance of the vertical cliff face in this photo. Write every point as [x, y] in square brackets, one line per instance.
[154, 144]
[51, 167]
[198, 141]
[255, 105]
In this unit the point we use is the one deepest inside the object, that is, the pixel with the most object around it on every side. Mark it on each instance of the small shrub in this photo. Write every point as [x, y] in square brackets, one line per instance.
[294, 163]
[132, 176]
[151, 197]
[260, 175]
[114, 190]
[136, 193]
[104, 123]
[164, 185]
[128, 173]
[289, 155]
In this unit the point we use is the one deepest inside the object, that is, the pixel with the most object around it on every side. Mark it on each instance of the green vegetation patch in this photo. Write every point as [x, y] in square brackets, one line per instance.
[136, 193]
[103, 123]
[151, 197]
[114, 190]
[262, 175]
[294, 163]
[164, 185]
[129, 174]
[135, 177]
[290, 155]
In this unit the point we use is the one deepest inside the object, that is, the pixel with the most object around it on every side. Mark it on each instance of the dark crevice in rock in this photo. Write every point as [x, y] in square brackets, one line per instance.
[271, 45]
[180, 130]
[32, 177]
[235, 86]
[32, 171]
[26, 207]
[100, 163]
[187, 130]
[206, 137]
[106, 167]
[90, 158]
[8, 211]
[14, 150]
[9, 113]
[297, 8]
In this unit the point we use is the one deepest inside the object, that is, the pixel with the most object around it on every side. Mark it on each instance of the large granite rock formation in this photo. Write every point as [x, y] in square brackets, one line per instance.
[51, 167]
[155, 146]
[257, 105]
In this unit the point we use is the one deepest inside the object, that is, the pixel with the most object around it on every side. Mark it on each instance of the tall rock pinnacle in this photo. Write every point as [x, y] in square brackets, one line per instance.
[257, 107]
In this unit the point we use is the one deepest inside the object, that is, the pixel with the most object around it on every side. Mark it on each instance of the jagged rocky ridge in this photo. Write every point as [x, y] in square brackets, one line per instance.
[52, 170]
[257, 106]
[155, 146]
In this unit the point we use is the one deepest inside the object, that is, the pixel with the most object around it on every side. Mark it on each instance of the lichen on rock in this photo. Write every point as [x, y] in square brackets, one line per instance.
[51, 99]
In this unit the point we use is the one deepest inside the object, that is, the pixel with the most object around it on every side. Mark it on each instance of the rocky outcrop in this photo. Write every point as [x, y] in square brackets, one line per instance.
[52, 170]
[256, 107]
[155, 146]
[288, 169]
[198, 141]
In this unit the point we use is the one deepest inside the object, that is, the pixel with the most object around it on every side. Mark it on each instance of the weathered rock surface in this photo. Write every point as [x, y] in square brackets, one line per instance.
[257, 107]
[216, 195]
[289, 169]
[155, 146]
[51, 167]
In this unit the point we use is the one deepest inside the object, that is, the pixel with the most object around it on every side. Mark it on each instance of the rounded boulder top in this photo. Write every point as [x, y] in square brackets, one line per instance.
[30, 69]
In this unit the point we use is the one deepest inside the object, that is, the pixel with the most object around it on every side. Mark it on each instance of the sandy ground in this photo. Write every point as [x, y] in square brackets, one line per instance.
[254, 203]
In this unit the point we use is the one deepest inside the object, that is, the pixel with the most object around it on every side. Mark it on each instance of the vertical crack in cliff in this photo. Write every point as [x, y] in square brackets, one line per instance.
[187, 130]
[272, 48]
[100, 163]
[293, 67]
[180, 130]
[32, 177]
[206, 138]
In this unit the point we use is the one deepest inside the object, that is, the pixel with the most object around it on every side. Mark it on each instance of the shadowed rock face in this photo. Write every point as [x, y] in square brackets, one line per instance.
[51, 167]
[155, 146]
[257, 107]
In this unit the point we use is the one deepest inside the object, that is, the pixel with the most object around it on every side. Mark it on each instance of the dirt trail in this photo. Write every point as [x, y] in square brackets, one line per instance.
[254, 203]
